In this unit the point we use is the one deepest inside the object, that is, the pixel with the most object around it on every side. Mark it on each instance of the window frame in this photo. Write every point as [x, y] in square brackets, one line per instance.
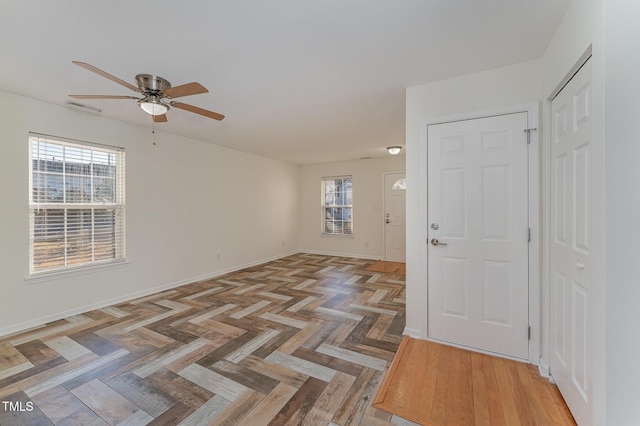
[344, 231]
[107, 215]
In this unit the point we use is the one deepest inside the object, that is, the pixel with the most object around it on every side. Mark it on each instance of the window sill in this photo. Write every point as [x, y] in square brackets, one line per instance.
[322, 234]
[66, 273]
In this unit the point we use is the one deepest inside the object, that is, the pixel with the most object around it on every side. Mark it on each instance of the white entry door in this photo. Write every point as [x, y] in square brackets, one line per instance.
[394, 217]
[479, 233]
[572, 169]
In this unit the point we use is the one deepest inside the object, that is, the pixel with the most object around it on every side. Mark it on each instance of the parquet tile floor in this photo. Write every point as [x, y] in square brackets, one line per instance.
[301, 340]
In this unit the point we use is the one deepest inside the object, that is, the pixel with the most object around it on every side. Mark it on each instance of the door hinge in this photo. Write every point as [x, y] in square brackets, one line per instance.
[528, 132]
[529, 333]
[529, 235]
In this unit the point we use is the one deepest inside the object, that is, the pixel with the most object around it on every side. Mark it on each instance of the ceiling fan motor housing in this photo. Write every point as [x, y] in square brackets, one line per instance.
[151, 84]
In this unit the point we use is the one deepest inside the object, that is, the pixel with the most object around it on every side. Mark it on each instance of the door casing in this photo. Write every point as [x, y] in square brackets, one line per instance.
[533, 113]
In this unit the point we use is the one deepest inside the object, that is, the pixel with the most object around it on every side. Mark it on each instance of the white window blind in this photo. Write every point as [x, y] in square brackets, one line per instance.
[337, 205]
[76, 203]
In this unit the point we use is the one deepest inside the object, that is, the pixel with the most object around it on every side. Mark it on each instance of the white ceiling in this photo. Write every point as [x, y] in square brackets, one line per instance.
[303, 81]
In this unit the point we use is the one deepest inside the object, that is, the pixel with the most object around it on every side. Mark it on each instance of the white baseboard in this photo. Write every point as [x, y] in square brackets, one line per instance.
[543, 368]
[337, 254]
[39, 322]
[413, 333]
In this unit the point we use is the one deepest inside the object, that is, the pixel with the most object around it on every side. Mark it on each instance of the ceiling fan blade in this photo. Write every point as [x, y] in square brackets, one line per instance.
[185, 90]
[101, 97]
[198, 110]
[106, 75]
[160, 118]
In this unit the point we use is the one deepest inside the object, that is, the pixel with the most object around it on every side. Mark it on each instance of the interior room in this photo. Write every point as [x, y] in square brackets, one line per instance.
[203, 222]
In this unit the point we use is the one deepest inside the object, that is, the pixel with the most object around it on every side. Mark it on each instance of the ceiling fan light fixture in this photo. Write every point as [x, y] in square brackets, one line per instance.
[153, 106]
[394, 150]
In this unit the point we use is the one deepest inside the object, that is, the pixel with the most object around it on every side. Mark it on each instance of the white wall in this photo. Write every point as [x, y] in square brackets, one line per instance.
[580, 30]
[187, 201]
[501, 87]
[368, 233]
[622, 71]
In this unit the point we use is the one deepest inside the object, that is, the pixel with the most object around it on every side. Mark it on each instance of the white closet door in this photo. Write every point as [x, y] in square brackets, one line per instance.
[571, 247]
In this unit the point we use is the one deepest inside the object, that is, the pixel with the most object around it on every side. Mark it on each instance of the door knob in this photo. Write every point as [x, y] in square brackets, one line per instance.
[435, 242]
[387, 221]
[580, 265]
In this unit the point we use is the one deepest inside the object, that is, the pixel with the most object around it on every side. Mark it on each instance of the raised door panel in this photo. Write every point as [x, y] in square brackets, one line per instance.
[454, 209]
[454, 287]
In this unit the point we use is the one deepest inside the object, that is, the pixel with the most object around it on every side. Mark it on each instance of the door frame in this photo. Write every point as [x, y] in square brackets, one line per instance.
[533, 116]
[384, 208]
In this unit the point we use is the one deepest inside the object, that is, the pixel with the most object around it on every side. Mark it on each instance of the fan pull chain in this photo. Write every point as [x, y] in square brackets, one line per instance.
[153, 130]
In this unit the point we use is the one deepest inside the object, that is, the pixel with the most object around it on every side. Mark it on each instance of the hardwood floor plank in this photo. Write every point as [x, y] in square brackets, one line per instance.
[467, 408]
[94, 343]
[235, 413]
[20, 377]
[65, 325]
[387, 267]
[136, 419]
[61, 378]
[213, 382]
[276, 371]
[452, 386]
[251, 346]
[359, 397]
[173, 416]
[270, 405]
[300, 403]
[480, 403]
[455, 413]
[10, 357]
[301, 337]
[37, 352]
[414, 399]
[439, 407]
[302, 366]
[352, 356]
[306, 339]
[207, 412]
[329, 401]
[494, 403]
[142, 393]
[105, 402]
[35, 417]
[169, 357]
[60, 405]
[182, 390]
[246, 377]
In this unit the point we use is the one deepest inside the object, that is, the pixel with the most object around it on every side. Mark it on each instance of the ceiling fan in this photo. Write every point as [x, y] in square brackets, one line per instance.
[157, 94]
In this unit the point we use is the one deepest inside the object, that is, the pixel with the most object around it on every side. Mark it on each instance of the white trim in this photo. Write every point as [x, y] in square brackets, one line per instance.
[543, 369]
[72, 272]
[23, 326]
[414, 333]
[533, 115]
[573, 71]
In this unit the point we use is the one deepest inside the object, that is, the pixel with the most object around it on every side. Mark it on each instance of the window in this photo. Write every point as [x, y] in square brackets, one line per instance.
[337, 206]
[76, 204]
